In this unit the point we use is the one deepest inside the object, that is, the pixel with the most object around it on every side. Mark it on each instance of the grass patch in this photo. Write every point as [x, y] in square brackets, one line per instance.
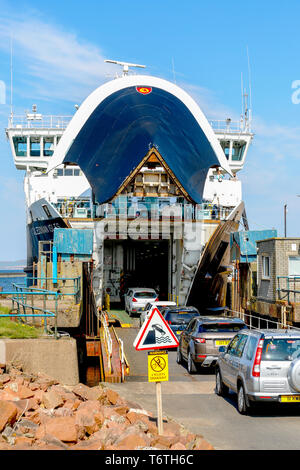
[4, 309]
[16, 330]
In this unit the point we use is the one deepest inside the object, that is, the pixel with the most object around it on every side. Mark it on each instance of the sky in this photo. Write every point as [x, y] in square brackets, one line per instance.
[206, 47]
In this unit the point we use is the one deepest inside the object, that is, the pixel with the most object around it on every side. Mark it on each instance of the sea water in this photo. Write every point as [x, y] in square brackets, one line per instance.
[7, 282]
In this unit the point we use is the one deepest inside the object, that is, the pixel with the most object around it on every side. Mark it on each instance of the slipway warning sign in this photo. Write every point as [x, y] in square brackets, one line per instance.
[155, 334]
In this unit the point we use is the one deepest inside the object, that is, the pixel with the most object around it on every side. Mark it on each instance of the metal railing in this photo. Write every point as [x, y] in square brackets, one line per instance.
[20, 297]
[227, 125]
[59, 283]
[289, 288]
[107, 340]
[39, 122]
[258, 322]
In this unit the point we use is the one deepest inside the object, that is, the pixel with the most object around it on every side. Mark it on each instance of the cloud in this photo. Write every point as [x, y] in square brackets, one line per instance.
[209, 103]
[61, 64]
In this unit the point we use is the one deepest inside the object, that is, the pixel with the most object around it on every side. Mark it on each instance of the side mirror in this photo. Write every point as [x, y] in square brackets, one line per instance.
[222, 349]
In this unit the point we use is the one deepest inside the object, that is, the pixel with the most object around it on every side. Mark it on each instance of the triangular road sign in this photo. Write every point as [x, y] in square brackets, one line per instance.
[155, 334]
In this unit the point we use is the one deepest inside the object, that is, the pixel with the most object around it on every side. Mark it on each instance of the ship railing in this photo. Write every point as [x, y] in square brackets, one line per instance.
[39, 122]
[155, 209]
[261, 322]
[227, 125]
[20, 295]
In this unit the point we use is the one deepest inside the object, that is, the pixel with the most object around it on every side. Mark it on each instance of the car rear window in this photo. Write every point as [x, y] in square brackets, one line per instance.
[226, 327]
[144, 295]
[283, 349]
[177, 318]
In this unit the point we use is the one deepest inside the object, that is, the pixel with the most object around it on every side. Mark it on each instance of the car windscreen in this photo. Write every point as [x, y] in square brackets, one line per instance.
[226, 327]
[283, 349]
[178, 318]
[144, 295]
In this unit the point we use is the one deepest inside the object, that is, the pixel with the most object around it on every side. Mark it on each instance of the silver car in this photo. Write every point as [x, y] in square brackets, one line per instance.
[260, 366]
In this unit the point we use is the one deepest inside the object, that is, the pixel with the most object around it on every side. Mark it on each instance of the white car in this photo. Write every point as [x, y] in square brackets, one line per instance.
[151, 305]
[136, 298]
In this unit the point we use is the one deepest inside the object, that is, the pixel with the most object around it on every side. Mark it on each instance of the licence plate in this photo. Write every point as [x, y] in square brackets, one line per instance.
[290, 398]
[222, 342]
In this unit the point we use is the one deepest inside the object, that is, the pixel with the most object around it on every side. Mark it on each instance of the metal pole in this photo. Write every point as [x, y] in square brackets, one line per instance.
[45, 318]
[285, 211]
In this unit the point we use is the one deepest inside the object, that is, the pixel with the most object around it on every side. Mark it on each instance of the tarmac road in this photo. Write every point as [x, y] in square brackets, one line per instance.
[191, 400]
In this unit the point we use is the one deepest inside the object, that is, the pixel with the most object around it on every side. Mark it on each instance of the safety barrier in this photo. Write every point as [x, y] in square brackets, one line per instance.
[107, 340]
[19, 297]
[256, 322]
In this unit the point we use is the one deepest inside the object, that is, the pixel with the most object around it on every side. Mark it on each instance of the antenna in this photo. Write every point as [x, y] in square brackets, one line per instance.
[125, 65]
[11, 77]
[250, 88]
[242, 92]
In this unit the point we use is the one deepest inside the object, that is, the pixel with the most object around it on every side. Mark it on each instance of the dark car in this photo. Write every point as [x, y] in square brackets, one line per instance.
[179, 317]
[199, 343]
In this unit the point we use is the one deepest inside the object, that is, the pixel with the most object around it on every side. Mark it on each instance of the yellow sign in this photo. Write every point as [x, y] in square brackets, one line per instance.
[158, 366]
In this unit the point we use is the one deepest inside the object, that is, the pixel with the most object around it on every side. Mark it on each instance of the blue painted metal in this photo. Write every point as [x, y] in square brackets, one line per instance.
[73, 241]
[43, 269]
[123, 128]
[243, 244]
[54, 264]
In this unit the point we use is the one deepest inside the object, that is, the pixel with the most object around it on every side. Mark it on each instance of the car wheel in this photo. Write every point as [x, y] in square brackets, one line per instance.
[179, 356]
[191, 365]
[221, 389]
[242, 401]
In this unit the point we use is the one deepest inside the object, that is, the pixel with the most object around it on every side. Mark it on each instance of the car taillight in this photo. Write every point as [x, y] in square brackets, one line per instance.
[200, 340]
[156, 300]
[134, 300]
[257, 360]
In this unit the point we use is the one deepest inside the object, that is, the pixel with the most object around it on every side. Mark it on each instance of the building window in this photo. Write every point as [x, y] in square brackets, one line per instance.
[294, 266]
[266, 266]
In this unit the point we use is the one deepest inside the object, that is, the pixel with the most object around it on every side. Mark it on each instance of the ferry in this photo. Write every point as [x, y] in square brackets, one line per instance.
[153, 178]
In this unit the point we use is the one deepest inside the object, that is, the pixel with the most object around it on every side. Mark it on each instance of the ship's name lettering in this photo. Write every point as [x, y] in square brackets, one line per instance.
[45, 229]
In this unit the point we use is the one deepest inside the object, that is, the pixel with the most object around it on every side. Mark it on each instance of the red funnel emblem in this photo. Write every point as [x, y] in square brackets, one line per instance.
[144, 90]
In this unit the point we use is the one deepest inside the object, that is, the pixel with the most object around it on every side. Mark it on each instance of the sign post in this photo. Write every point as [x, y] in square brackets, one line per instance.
[155, 335]
[158, 371]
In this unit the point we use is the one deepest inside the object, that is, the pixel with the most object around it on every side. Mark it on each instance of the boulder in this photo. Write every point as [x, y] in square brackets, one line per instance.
[52, 400]
[62, 428]
[87, 393]
[8, 414]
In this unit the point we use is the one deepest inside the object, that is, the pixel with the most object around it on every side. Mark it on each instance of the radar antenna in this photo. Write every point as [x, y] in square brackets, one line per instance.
[125, 65]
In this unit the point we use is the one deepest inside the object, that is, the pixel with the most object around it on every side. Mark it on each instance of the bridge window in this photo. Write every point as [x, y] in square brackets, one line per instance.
[238, 149]
[35, 147]
[20, 145]
[225, 144]
[48, 146]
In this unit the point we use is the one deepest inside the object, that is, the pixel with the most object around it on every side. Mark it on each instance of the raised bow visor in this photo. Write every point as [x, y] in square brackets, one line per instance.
[119, 122]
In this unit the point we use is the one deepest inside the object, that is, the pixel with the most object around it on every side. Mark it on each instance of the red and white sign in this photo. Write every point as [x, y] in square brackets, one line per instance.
[155, 334]
[144, 90]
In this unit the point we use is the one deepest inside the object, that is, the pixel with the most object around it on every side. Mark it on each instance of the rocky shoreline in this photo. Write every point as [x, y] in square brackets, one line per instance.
[38, 413]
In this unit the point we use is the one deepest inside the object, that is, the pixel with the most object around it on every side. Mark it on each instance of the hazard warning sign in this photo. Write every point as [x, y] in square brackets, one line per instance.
[158, 366]
[155, 334]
